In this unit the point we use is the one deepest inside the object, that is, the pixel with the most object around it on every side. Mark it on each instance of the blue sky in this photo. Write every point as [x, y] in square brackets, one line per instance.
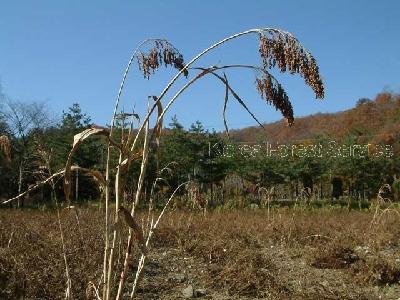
[76, 51]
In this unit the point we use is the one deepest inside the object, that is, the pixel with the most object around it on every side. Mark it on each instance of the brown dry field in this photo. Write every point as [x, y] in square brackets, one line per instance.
[296, 253]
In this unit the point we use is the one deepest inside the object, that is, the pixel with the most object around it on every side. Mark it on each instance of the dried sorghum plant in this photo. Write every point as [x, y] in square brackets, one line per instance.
[277, 47]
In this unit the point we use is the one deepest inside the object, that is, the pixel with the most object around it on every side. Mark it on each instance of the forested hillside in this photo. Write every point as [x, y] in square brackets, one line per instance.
[377, 120]
[345, 154]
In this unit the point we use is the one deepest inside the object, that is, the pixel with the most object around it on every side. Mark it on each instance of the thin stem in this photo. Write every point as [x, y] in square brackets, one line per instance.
[115, 233]
[107, 189]
[106, 200]
[144, 255]
[145, 124]
[68, 292]
[34, 187]
[137, 198]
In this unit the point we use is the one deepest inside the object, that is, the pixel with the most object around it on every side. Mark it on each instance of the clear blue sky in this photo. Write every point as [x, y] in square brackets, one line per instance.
[69, 51]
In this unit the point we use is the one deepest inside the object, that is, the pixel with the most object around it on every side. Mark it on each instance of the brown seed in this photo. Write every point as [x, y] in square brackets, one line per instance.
[162, 52]
[270, 90]
[289, 55]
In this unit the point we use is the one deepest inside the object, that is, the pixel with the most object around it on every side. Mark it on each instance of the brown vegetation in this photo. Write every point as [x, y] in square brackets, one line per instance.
[378, 117]
[291, 254]
[5, 146]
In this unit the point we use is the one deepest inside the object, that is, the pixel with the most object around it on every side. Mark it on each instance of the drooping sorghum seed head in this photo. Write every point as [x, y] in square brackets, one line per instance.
[161, 52]
[285, 52]
[270, 90]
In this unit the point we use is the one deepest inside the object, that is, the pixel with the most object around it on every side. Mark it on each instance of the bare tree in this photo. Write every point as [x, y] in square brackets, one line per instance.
[22, 119]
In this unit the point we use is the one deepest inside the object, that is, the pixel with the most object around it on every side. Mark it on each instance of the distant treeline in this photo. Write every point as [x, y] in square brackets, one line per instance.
[348, 154]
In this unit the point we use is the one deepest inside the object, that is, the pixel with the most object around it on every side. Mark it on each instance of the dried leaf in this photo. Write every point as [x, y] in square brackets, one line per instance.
[96, 174]
[225, 104]
[137, 231]
[234, 94]
[158, 128]
[78, 138]
[127, 162]
[89, 132]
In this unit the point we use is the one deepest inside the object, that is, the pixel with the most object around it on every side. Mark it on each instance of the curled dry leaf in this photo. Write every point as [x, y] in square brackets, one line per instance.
[234, 94]
[96, 174]
[89, 132]
[127, 162]
[137, 231]
[78, 138]
[158, 128]
[226, 104]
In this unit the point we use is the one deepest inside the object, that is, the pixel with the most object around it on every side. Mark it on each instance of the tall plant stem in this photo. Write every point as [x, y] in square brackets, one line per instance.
[107, 189]
[115, 233]
[145, 124]
[137, 198]
[151, 232]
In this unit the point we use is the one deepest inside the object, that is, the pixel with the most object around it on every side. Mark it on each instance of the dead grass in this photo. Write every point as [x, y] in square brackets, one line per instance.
[34, 257]
[377, 271]
[235, 253]
[334, 257]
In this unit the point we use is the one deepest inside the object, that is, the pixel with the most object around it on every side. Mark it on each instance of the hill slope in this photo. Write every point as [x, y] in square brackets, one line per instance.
[377, 120]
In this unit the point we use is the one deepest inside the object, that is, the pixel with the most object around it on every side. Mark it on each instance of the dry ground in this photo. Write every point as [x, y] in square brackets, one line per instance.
[300, 253]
